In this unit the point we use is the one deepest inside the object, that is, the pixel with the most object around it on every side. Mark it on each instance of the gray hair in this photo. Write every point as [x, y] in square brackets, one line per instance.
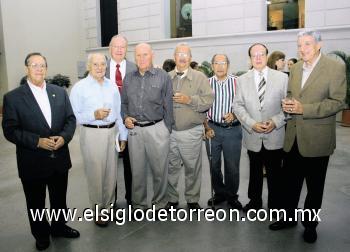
[309, 32]
[183, 44]
[90, 56]
[119, 36]
[226, 58]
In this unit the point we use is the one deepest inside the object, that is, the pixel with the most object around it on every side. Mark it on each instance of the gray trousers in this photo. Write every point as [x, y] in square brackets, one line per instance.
[149, 147]
[186, 149]
[99, 156]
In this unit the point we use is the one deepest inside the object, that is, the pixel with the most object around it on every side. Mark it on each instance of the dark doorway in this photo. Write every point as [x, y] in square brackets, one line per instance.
[109, 20]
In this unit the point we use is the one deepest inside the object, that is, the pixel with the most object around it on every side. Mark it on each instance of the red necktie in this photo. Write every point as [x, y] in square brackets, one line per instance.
[118, 78]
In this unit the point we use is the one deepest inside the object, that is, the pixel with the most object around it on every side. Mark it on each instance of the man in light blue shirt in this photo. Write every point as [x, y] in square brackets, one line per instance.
[96, 105]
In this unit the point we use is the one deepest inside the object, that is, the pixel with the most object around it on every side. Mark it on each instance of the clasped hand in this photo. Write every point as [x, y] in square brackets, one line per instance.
[51, 143]
[264, 127]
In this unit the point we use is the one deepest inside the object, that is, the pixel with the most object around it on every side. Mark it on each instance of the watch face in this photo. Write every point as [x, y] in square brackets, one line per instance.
[186, 11]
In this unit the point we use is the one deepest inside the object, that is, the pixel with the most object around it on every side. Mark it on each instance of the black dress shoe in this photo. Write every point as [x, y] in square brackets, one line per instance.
[171, 204]
[129, 202]
[42, 245]
[251, 205]
[278, 225]
[66, 232]
[310, 235]
[194, 206]
[217, 200]
[235, 204]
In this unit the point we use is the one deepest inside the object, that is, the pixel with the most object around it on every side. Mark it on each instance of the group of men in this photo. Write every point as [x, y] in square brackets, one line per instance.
[157, 120]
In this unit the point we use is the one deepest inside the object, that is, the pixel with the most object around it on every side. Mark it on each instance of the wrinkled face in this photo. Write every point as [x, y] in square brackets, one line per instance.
[280, 64]
[290, 64]
[97, 67]
[258, 57]
[36, 70]
[117, 49]
[143, 57]
[220, 66]
[308, 48]
[182, 57]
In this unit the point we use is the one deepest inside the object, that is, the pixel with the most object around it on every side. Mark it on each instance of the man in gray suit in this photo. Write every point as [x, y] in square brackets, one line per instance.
[257, 105]
[317, 85]
[117, 67]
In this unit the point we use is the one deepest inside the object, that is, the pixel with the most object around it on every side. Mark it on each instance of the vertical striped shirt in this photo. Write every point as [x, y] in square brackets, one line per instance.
[224, 92]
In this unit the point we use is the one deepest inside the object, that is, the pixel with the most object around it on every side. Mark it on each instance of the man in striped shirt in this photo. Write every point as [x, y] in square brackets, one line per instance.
[225, 132]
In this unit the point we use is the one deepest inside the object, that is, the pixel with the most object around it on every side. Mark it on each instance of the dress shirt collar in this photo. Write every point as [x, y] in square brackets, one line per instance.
[184, 72]
[310, 67]
[220, 82]
[94, 81]
[264, 71]
[152, 71]
[35, 87]
[122, 64]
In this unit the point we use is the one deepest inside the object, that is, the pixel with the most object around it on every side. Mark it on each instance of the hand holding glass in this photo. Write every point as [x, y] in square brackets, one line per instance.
[107, 105]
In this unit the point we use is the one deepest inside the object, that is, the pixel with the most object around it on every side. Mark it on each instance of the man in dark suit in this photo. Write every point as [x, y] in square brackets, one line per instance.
[117, 67]
[317, 88]
[39, 120]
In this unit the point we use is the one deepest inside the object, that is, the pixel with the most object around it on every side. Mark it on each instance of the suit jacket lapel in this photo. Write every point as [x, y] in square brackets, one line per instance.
[314, 74]
[269, 84]
[30, 100]
[52, 99]
[254, 92]
[108, 69]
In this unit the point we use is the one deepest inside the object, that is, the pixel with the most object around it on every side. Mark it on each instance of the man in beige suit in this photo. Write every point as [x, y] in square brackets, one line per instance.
[257, 105]
[317, 91]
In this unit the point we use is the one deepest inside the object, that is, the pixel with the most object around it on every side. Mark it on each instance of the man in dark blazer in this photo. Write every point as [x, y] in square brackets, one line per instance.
[317, 88]
[39, 120]
[118, 62]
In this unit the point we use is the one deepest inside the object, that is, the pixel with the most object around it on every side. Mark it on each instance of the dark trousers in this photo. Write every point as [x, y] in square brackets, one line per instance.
[127, 174]
[313, 170]
[35, 193]
[227, 141]
[272, 160]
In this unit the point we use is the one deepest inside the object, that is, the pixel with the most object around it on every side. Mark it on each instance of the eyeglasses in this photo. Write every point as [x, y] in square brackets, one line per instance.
[118, 47]
[96, 65]
[220, 63]
[37, 66]
[258, 54]
[181, 54]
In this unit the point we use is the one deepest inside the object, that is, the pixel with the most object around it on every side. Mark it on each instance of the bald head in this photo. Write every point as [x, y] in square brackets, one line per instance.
[143, 57]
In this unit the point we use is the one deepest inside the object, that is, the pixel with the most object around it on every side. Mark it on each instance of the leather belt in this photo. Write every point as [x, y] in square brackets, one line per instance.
[226, 125]
[140, 124]
[99, 126]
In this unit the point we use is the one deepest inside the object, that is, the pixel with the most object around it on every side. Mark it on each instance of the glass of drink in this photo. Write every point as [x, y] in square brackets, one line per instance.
[107, 105]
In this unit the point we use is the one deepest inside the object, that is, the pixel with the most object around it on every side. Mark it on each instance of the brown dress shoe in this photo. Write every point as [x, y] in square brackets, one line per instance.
[101, 223]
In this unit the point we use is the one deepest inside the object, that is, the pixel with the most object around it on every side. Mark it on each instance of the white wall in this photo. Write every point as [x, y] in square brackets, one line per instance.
[227, 17]
[236, 45]
[51, 27]
[3, 73]
[327, 13]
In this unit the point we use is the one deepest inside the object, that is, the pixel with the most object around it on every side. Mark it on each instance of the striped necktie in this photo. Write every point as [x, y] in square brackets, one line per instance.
[261, 89]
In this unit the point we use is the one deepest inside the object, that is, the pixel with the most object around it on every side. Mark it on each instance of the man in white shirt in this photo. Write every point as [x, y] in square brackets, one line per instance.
[117, 49]
[96, 104]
